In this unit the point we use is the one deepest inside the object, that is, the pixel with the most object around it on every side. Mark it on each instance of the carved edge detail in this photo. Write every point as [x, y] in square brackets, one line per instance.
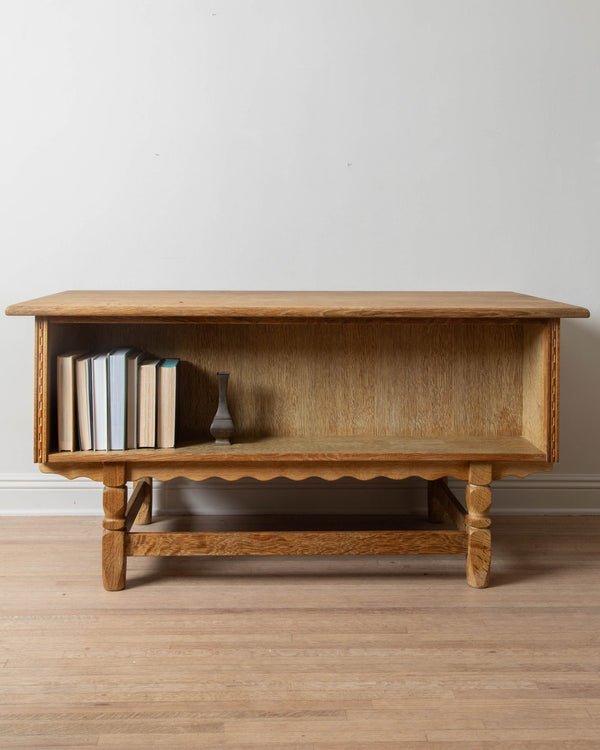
[40, 448]
[554, 388]
[164, 472]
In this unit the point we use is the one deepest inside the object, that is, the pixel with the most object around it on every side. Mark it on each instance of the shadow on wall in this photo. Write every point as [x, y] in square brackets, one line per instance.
[284, 496]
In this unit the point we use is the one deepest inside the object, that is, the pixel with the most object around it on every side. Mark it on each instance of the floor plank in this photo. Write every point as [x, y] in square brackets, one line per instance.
[301, 653]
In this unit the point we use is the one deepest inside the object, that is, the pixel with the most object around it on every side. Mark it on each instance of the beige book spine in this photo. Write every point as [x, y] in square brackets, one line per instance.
[147, 407]
[165, 427]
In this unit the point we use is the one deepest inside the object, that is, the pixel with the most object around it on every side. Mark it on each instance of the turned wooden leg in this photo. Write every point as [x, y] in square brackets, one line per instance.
[479, 501]
[144, 515]
[114, 560]
[435, 511]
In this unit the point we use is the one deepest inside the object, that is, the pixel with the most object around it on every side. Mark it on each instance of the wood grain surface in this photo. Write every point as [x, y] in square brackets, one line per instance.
[357, 378]
[337, 653]
[322, 304]
[141, 496]
[554, 390]
[114, 501]
[329, 470]
[445, 505]
[478, 496]
[321, 448]
[343, 384]
[42, 438]
[536, 421]
[144, 516]
[297, 543]
[340, 391]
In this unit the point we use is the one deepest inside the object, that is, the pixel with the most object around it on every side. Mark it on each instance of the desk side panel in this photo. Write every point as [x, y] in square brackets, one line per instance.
[541, 360]
[554, 377]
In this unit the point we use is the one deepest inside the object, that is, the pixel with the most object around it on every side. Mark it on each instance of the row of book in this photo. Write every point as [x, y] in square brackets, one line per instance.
[115, 400]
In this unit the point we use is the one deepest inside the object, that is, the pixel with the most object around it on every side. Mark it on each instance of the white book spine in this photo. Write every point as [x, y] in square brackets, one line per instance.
[100, 402]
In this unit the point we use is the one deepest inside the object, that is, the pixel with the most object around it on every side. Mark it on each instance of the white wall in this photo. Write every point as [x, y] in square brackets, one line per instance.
[302, 144]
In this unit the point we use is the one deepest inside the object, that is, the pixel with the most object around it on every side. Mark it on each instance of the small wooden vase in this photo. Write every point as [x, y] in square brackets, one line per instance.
[222, 427]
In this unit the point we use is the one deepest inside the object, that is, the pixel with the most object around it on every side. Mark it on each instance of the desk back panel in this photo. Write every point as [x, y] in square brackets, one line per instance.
[408, 378]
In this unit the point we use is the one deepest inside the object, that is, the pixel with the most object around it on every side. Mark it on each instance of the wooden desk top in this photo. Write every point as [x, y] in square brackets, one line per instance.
[322, 304]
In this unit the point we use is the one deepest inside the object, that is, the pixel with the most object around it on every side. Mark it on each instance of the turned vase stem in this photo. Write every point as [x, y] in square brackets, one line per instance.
[222, 427]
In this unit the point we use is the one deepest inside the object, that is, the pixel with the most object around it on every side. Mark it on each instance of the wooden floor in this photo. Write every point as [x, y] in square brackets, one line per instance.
[303, 654]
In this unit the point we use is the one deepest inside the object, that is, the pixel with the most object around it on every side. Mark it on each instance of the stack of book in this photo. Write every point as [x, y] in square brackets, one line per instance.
[115, 400]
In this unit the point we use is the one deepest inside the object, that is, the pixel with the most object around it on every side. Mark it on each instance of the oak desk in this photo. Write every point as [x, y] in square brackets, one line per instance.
[325, 384]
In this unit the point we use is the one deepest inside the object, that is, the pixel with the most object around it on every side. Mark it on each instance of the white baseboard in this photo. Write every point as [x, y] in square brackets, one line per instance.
[48, 495]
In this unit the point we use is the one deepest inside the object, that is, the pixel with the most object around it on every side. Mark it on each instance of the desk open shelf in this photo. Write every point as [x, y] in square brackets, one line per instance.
[314, 451]
[322, 384]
